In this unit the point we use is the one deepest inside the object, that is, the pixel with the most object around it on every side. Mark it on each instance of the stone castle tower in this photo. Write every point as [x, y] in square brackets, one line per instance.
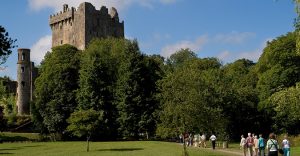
[79, 27]
[70, 26]
[26, 74]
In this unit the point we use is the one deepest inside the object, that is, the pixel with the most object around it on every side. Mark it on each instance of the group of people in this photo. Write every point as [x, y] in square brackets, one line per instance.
[256, 146]
[196, 140]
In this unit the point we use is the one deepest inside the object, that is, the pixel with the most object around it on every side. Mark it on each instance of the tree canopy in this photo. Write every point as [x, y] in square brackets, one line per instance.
[6, 45]
[56, 88]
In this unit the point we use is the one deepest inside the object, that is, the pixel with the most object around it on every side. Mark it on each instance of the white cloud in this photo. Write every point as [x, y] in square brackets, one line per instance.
[250, 55]
[119, 4]
[224, 55]
[193, 45]
[234, 37]
[40, 48]
[253, 55]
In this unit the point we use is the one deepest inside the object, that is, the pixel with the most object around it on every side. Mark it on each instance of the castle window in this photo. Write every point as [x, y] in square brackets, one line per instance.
[22, 69]
[23, 57]
[61, 41]
[23, 84]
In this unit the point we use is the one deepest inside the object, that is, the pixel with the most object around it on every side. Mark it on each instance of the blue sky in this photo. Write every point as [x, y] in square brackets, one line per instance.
[227, 29]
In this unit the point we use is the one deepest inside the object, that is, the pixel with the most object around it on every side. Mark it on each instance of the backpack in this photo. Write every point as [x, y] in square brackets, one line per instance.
[261, 143]
[250, 141]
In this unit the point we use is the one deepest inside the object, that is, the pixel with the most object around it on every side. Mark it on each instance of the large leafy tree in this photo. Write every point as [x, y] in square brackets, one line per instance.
[136, 91]
[55, 88]
[190, 99]
[97, 81]
[6, 45]
[241, 98]
[286, 104]
[278, 67]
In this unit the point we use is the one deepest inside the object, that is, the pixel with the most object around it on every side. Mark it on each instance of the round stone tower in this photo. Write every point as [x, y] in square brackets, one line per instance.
[23, 79]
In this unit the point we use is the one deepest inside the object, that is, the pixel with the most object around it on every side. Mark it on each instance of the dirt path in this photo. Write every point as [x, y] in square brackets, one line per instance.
[231, 152]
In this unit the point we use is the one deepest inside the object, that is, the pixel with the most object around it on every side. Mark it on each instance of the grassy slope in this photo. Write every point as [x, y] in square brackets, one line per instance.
[145, 148]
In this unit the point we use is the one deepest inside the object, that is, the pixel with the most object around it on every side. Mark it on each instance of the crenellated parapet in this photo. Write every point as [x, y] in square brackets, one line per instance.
[67, 15]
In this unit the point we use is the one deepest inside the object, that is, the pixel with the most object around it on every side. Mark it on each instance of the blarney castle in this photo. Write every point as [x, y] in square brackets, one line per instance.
[72, 26]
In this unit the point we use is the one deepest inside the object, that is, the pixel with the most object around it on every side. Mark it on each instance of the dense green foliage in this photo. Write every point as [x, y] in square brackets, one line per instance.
[84, 123]
[6, 45]
[55, 89]
[141, 95]
[278, 68]
[97, 80]
[190, 100]
[136, 91]
[3, 121]
[286, 103]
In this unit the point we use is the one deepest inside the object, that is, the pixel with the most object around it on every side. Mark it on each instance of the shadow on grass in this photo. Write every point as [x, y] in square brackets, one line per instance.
[32, 146]
[121, 149]
[5, 153]
[14, 138]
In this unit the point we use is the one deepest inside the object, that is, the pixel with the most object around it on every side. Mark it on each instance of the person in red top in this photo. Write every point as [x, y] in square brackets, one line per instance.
[250, 143]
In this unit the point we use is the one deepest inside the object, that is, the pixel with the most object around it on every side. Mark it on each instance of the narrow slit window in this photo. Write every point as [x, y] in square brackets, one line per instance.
[22, 69]
[23, 57]
[23, 84]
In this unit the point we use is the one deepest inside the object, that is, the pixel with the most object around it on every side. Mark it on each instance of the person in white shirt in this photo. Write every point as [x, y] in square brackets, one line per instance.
[243, 144]
[286, 146]
[203, 140]
[213, 139]
[272, 145]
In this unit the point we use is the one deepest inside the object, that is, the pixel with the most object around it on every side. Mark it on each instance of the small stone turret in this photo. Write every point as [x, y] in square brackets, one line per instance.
[24, 81]
[26, 74]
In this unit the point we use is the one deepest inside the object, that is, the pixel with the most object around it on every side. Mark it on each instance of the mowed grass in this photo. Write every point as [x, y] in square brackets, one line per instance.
[129, 148]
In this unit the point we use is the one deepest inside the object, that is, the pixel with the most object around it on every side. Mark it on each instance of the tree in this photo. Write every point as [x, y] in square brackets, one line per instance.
[84, 123]
[286, 105]
[278, 67]
[136, 92]
[178, 58]
[238, 88]
[6, 45]
[190, 101]
[97, 82]
[56, 88]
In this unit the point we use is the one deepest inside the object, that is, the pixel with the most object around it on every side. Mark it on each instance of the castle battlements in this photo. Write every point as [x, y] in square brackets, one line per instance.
[68, 14]
[78, 26]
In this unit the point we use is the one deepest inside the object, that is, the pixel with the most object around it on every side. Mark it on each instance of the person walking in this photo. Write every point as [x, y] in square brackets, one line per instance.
[181, 138]
[250, 142]
[243, 145]
[203, 140]
[255, 145]
[261, 146]
[213, 139]
[272, 145]
[286, 146]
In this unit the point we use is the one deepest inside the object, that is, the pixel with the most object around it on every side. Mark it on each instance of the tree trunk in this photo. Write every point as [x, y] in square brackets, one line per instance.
[88, 143]
[147, 135]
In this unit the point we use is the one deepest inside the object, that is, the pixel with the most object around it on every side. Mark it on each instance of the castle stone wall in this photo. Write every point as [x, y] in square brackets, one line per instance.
[79, 27]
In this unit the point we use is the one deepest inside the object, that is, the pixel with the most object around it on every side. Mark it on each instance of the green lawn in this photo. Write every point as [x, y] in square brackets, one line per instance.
[139, 148]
